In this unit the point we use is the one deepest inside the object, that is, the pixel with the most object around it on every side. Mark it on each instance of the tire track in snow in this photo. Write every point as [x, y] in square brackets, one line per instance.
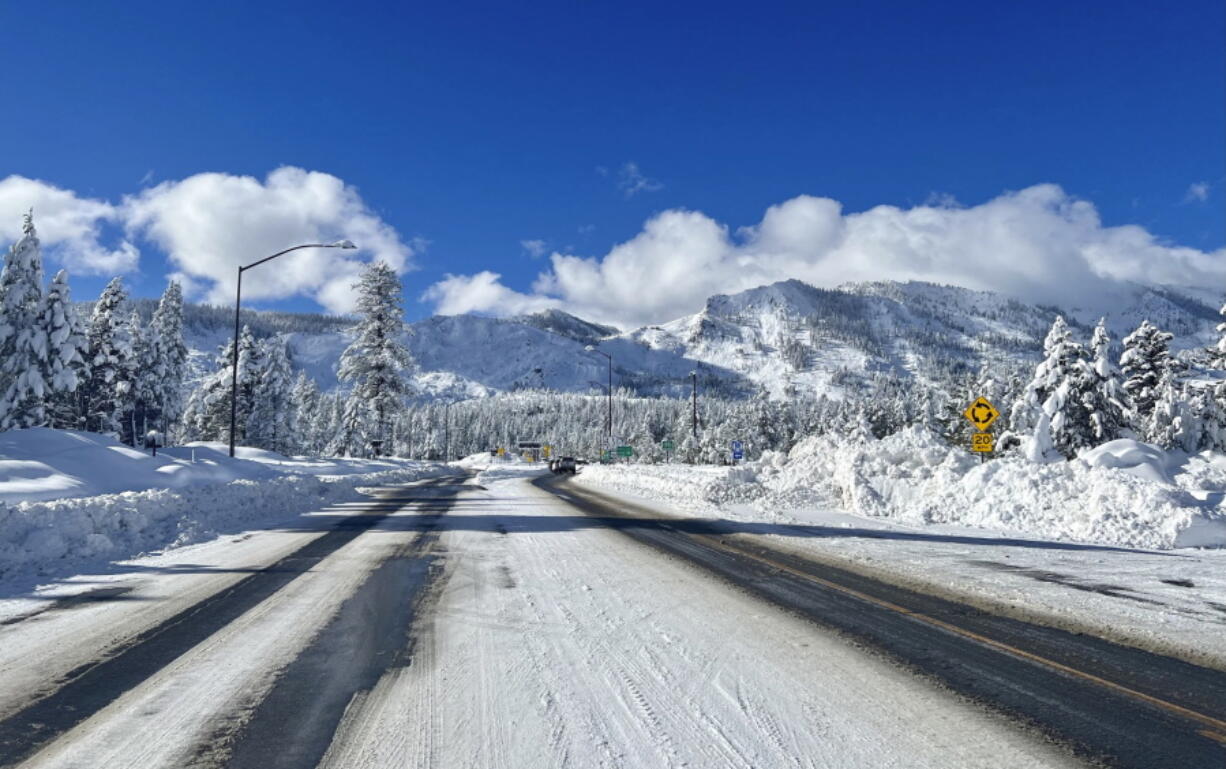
[90, 688]
[370, 636]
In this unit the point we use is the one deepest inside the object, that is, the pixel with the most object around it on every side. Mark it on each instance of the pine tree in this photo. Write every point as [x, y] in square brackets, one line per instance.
[24, 366]
[1145, 361]
[207, 415]
[168, 355]
[67, 349]
[271, 412]
[109, 356]
[1059, 390]
[1172, 423]
[139, 411]
[304, 400]
[376, 361]
[1217, 353]
[1105, 400]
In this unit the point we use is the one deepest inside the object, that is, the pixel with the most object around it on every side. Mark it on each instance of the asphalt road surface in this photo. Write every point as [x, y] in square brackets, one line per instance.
[531, 622]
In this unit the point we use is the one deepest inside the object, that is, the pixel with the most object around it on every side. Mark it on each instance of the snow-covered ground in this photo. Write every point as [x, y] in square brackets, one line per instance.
[1095, 545]
[555, 643]
[71, 500]
[548, 642]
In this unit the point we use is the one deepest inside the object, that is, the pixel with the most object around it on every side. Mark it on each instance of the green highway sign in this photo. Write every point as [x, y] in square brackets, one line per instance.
[625, 451]
[667, 445]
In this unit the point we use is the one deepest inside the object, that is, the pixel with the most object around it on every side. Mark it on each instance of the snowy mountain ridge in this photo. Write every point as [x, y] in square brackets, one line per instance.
[785, 339]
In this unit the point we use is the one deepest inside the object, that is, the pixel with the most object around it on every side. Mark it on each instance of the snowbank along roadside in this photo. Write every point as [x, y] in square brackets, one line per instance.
[181, 501]
[910, 510]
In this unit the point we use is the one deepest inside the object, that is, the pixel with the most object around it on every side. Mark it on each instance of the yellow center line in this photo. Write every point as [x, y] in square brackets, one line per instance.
[1170, 707]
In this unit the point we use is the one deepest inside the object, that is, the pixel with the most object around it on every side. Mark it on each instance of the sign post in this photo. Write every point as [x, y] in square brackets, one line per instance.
[625, 452]
[982, 414]
[668, 446]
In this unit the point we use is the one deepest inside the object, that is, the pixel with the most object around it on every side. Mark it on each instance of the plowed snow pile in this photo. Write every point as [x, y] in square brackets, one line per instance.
[56, 515]
[1122, 493]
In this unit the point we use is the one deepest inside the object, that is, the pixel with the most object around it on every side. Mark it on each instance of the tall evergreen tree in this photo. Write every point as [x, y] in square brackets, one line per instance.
[168, 354]
[24, 366]
[1145, 361]
[109, 356]
[1053, 408]
[140, 375]
[377, 360]
[66, 354]
[271, 417]
[1105, 400]
[304, 401]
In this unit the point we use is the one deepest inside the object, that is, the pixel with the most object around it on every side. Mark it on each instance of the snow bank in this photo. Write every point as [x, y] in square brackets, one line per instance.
[40, 463]
[70, 498]
[43, 464]
[67, 535]
[1123, 493]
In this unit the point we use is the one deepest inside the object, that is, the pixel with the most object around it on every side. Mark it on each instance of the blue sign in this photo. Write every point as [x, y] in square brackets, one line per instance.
[738, 450]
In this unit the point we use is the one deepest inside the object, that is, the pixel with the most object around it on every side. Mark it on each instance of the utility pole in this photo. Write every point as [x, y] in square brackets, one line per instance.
[238, 298]
[447, 432]
[694, 404]
[608, 428]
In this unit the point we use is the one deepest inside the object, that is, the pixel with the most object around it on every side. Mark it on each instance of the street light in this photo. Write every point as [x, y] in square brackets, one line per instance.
[238, 298]
[609, 418]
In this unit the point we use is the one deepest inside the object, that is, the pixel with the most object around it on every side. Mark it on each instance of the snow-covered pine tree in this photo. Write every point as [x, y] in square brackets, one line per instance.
[1026, 408]
[1060, 383]
[377, 360]
[304, 400]
[1105, 400]
[1145, 361]
[1217, 353]
[109, 354]
[207, 417]
[24, 368]
[1172, 424]
[271, 417]
[67, 349]
[142, 385]
[352, 428]
[168, 354]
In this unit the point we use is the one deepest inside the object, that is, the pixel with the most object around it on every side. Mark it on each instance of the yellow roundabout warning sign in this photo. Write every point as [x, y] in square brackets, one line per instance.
[981, 413]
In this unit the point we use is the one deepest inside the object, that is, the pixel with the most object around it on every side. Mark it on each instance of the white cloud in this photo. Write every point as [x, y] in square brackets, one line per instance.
[458, 294]
[631, 181]
[534, 248]
[1197, 192]
[211, 223]
[69, 226]
[1039, 244]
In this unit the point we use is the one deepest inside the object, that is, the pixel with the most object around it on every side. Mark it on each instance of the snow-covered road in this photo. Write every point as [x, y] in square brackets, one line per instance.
[460, 623]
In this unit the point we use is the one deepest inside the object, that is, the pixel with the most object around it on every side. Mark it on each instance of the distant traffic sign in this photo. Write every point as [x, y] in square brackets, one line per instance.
[738, 450]
[667, 445]
[625, 451]
[981, 413]
[983, 442]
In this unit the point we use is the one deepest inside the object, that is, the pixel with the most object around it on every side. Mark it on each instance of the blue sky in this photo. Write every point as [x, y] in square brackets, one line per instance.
[479, 127]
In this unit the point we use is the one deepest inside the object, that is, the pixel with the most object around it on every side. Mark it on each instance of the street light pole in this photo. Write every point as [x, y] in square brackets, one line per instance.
[238, 298]
[608, 419]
